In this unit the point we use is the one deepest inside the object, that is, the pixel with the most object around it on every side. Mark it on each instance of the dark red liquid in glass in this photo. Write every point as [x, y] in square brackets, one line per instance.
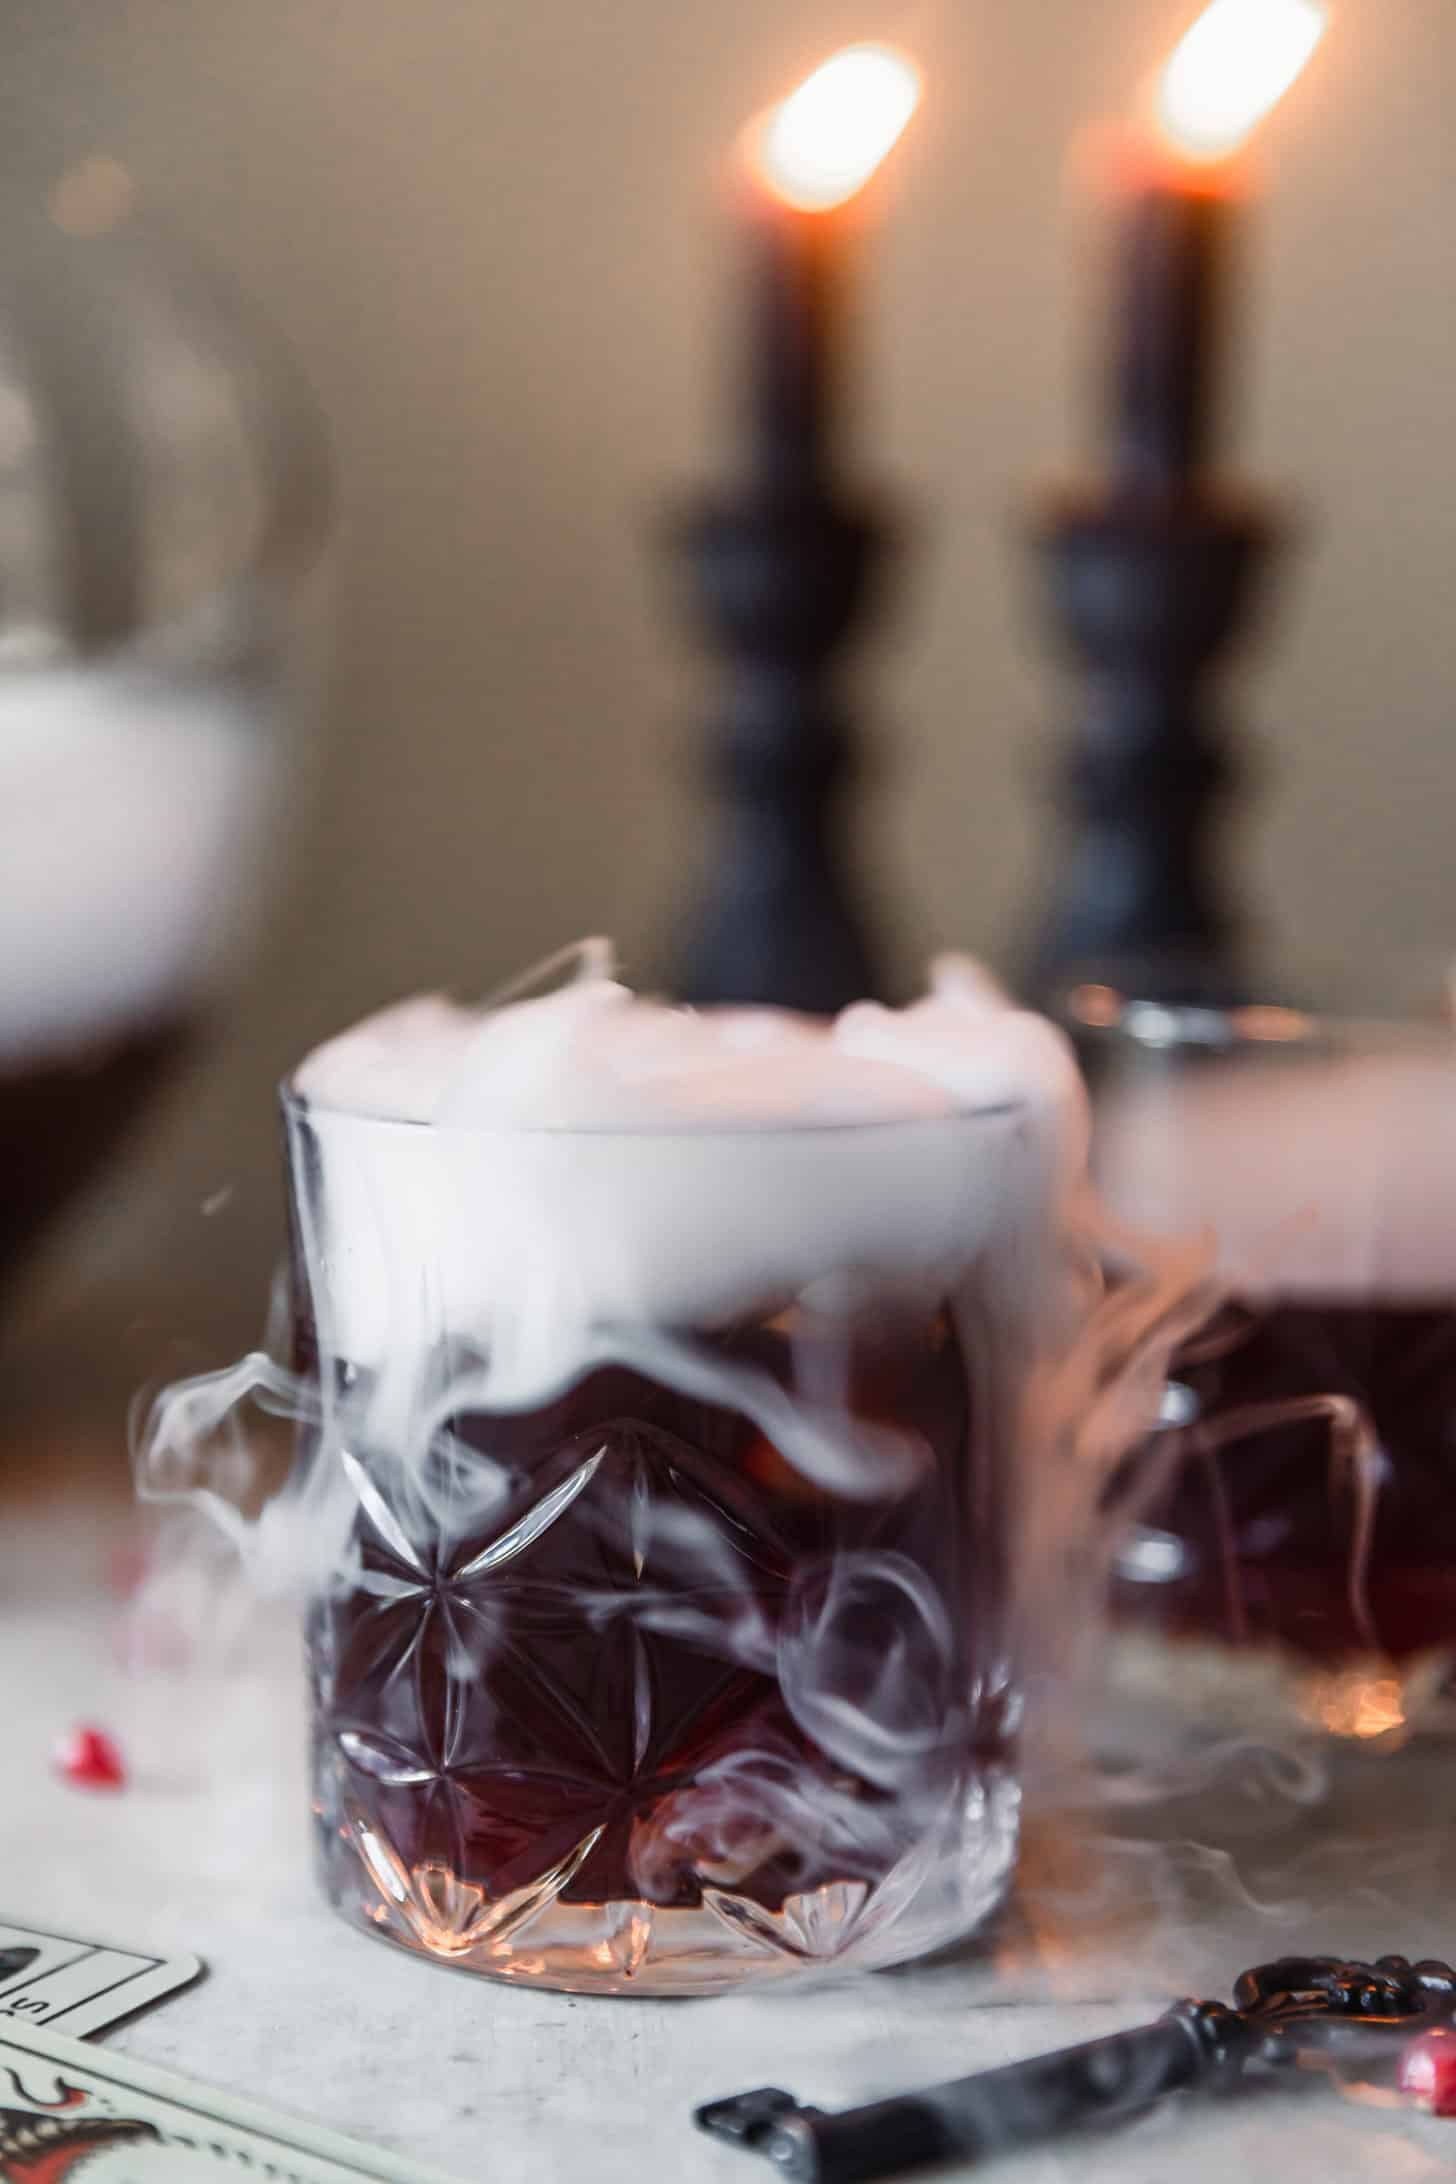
[1268, 1521]
[60, 1121]
[627, 1652]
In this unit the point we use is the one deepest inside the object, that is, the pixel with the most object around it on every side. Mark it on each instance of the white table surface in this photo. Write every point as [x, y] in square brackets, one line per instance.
[206, 1851]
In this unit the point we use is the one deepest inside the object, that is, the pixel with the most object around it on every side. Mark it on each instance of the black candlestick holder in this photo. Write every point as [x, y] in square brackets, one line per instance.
[781, 581]
[1152, 590]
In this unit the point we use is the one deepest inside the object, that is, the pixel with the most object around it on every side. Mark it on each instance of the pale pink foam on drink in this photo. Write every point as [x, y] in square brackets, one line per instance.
[596, 1056]
[582, 1174]
[1316, 1175]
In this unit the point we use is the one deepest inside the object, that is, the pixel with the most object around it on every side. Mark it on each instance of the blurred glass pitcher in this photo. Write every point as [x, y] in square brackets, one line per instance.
[162, 498]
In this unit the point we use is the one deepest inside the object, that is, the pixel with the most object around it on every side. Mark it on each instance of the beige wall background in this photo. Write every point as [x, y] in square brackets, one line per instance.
[491, 234]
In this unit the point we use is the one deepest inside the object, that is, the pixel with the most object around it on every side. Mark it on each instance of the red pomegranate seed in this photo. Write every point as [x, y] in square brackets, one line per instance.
[90, 1759]
[1428, 2072]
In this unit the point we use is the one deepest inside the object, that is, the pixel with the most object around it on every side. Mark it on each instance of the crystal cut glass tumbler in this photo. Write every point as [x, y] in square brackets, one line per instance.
[1297, 1563]
[671, 1489]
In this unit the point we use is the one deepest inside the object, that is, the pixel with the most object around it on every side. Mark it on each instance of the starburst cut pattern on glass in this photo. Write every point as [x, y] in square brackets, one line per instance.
[509, 1708]
[816, 1925]
[449, 1916]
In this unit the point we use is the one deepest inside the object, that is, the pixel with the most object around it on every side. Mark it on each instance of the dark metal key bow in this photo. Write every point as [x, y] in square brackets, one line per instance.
[1296, 2007]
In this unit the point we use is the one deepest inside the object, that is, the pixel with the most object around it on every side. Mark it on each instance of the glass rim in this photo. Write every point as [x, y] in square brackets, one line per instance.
[299, 1106]
[1107, 1013]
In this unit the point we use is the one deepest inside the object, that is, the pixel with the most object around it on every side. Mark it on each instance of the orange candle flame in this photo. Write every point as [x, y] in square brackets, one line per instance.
[818, 147]
[1233, 68]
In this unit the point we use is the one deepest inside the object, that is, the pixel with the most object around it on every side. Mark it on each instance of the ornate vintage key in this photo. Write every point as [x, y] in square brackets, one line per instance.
[1297, 2007]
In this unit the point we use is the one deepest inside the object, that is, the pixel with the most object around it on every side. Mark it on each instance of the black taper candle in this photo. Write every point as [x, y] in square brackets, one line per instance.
[783, 566]
[794, 362]
[1167, 356]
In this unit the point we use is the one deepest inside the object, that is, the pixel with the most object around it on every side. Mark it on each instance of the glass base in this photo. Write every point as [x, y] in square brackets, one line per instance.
[938, 1893]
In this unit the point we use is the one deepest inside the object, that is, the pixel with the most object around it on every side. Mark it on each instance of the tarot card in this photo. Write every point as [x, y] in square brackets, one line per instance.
[81, 1987]
[67, 2109]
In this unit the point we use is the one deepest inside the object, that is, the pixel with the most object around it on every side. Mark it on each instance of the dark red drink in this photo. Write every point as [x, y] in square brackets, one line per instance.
[1313, 1502]
[61, 1117]
[668, 1700]
[1302, 1544]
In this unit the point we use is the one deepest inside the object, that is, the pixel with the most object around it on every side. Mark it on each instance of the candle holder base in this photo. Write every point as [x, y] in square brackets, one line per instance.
[780, 582]
[1150, 591]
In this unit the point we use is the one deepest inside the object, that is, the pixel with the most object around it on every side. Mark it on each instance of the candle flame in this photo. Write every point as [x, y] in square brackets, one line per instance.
[821, 144]
[1232, 68]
